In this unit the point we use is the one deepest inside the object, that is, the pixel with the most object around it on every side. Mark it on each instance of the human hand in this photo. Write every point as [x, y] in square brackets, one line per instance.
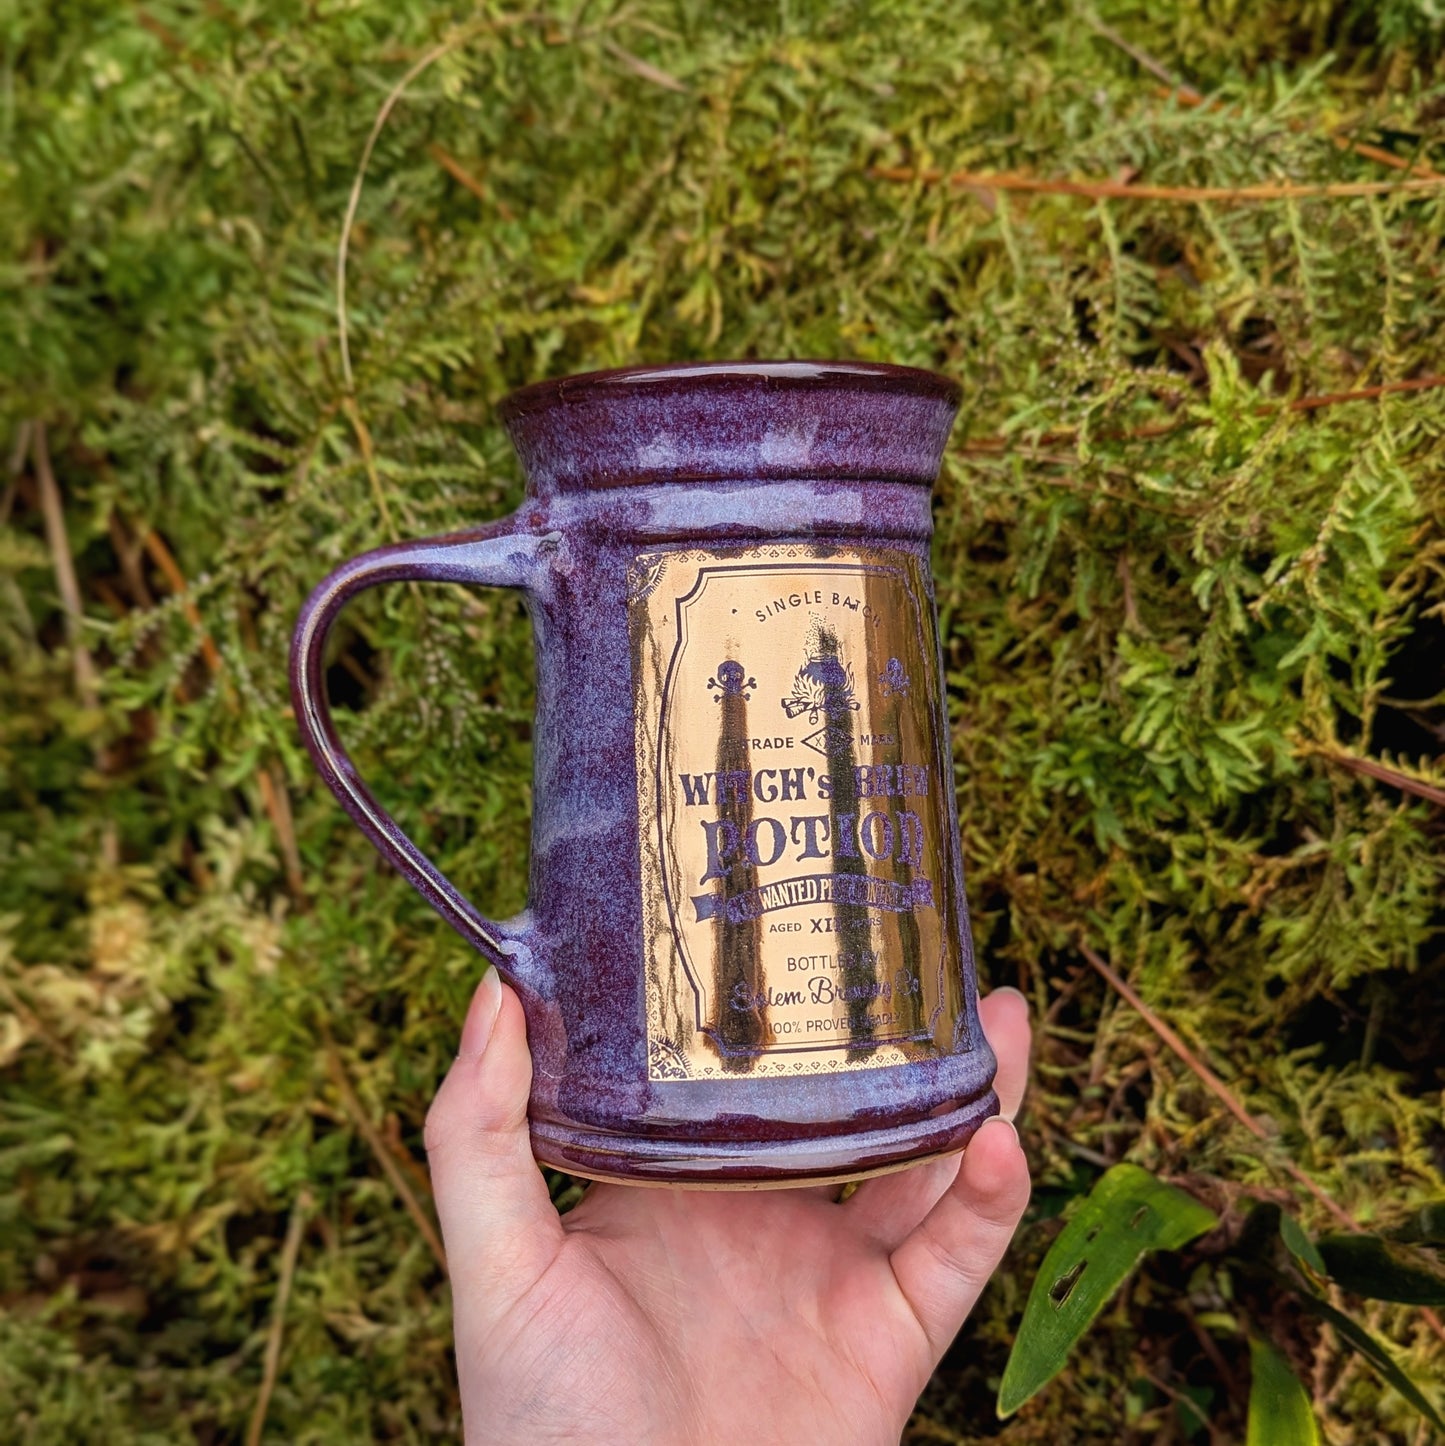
[682, 1316]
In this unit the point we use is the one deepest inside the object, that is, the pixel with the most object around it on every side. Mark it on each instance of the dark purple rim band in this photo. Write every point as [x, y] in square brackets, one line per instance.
[772, 376]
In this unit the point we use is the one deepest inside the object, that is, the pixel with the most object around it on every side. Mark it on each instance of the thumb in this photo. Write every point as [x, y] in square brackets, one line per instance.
[500, 1227]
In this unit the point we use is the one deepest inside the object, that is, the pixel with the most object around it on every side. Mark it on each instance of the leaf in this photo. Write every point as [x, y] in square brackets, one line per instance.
[1127, 1213]
[1377, 1354]
[1300, 1245]
[1426, 1227]
[1279, 1406]
[1366, 1265]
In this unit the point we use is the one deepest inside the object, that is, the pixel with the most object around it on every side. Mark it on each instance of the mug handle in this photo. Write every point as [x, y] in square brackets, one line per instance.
[494, 556]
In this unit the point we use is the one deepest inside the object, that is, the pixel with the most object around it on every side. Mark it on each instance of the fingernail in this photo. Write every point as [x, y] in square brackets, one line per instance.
[481, 1016]
[1000, 1120]
[1009, 989]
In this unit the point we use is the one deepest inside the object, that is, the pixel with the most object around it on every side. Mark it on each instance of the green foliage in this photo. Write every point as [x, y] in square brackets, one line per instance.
[1275, 1253]
[1279, 1407]
[1127, 1214]
[1425, 1227]
[1378, 1355]
[1366, 1265]
[1177, 616]
[1299, 1245]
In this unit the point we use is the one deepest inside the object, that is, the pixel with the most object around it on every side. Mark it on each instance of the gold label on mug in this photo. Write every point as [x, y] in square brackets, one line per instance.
[799, 888]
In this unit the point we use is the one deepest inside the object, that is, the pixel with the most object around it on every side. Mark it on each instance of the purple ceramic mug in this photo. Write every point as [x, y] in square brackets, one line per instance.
[746, 959]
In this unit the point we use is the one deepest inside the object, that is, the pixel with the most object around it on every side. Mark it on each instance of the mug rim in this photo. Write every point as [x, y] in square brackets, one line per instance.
[802, 374]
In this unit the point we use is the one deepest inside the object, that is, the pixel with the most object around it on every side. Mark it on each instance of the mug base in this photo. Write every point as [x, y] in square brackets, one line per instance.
[796, 1182]
[758, 1164]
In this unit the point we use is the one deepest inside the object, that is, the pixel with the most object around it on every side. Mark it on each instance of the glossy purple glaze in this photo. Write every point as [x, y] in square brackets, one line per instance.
[618, 462]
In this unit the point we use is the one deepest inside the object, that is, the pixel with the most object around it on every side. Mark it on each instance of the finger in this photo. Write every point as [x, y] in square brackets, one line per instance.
[943, 1266]
[1004, 1014]
[500, 1227]
[889, 1208]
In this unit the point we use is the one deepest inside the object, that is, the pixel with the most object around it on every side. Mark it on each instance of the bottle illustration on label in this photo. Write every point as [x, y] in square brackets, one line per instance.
[799, 880]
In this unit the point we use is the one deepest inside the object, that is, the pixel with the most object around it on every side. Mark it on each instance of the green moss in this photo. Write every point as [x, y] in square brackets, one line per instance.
[1154, 641]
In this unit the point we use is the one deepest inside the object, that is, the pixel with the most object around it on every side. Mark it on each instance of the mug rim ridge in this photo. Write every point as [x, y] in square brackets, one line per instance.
[802, 374]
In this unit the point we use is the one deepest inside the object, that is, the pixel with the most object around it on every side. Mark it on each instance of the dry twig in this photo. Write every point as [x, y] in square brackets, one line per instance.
[161, 555]
[1186, 95]
[1381, 773]
[377, 1145]
[391, 1133]
[424, 62]
[647, 71]
[464, 177]
[985, 445]
[127, 552]
[1226, 1096]
[289, 1252]
[1210, 1080]
[275, 797]
[87, 682]
[277, 802]
[456, 170]
[1103, 190]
